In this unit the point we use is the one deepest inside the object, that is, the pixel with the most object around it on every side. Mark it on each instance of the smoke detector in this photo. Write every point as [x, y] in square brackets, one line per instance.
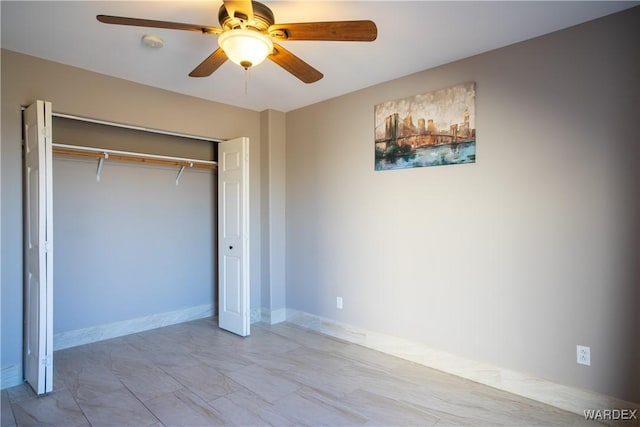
[150, 40]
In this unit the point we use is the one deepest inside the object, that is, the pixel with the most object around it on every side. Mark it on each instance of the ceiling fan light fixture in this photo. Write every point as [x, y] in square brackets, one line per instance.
[246, 48]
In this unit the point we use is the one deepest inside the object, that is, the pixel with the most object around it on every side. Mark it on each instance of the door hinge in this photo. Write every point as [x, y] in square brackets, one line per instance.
[46, 132]
[47, 247]
[46, 361]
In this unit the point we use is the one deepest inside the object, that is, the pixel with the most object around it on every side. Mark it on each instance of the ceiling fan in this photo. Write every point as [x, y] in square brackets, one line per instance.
[249, 34]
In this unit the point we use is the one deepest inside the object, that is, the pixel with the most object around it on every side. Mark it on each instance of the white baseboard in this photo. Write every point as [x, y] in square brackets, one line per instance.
[11, 376]
[268, 316]
[278, 316]
[256, 315]
[117, 329]
[570, 399]
[273, 316]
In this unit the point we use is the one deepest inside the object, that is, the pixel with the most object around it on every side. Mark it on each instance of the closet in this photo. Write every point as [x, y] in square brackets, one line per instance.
[121, 242]
[131, 239]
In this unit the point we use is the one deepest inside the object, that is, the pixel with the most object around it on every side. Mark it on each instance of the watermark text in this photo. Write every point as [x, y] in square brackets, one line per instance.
[611, 414]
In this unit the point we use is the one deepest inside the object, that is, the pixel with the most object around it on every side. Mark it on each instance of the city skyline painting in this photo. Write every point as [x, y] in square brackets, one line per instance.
[432, 129]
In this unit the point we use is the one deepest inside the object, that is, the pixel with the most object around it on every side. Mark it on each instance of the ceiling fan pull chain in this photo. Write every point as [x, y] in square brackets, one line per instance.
[246, 81]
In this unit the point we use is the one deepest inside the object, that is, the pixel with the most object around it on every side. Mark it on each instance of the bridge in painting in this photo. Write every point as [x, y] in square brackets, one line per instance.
[424, 135]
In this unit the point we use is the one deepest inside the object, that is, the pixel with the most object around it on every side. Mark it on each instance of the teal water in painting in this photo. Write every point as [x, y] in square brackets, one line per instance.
[447, 154]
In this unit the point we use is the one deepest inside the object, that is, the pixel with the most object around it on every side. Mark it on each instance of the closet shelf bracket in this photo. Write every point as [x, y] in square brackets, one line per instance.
[100, 165]
[181, 171]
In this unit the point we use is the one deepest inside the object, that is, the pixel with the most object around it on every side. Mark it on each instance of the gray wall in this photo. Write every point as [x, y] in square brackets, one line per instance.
[512, 260]
[133, 244]
[273, 137]
[84, 93]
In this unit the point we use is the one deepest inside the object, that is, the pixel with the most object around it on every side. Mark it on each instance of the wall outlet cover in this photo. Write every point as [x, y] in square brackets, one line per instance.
[583, 355]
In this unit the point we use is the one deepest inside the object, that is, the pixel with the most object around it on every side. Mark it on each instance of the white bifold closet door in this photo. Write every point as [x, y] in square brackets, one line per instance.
[38, 247]
[233, 240]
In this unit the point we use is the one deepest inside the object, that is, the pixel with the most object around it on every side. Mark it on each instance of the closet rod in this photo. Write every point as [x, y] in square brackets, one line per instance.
[78, 150]
[133, 127]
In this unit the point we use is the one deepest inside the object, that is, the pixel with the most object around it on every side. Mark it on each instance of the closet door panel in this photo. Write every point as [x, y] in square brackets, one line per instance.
[38, 274]
[233, 191]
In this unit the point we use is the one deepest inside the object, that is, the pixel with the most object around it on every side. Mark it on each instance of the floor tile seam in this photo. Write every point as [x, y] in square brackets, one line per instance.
[195, 392]
[151, 369]
[315, 333]
[315, 350]
[24, 385]
[268, 367]
[286, 416]
[30, 416]
[332, 404]
[288, 337]
[447, 417]
[163, 395]
[347, 373]
[13, 415]
[79, 399]
[227, 423]
[277, 400]
[135, 358]
[142, 403]
[172, 376]
[226, 396]
[421, 408]
[275, 329]
[506, 396]
[293, 378]
[357, 411]
[12, 400]
[81, 409]
[204, 401]
[400, 402]
[57, 404]
[329, 354]
[225, 371]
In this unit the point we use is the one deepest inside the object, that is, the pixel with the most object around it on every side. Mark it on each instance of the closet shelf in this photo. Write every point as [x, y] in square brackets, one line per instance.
[100, 153]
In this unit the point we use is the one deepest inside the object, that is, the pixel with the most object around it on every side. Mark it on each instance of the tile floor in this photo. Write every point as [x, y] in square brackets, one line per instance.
[194, 374]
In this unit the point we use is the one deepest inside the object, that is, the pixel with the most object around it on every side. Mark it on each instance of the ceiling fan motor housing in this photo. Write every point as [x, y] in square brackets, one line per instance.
[262, 18]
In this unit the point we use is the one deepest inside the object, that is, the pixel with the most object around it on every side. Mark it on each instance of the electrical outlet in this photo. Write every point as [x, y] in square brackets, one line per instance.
[339, 302]
[583, 355]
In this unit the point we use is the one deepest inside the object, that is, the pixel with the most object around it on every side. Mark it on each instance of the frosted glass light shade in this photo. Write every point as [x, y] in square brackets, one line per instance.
[246, 48]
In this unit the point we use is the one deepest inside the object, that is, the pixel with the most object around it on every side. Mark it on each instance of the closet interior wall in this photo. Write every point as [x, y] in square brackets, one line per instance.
[134, 244]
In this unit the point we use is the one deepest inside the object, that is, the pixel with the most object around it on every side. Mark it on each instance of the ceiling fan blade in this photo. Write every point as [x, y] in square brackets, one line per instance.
[209, 65]
[136, 22]
[242, 9]
[352, 31]
[294, 65]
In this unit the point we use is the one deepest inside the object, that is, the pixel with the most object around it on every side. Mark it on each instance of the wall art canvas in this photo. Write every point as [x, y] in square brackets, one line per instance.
[432, 129]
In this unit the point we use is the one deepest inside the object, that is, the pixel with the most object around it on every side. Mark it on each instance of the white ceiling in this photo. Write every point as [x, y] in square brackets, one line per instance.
[412, 36]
